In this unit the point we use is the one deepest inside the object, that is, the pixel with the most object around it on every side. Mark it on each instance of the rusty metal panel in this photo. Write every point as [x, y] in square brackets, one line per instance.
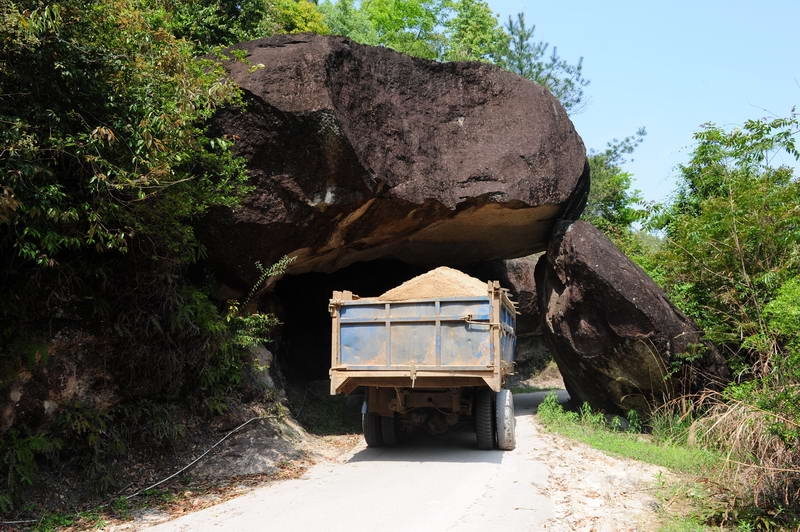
[477, 310]
[465, 344]
[373, 311]
[508, 339]
[412, 310]
[434, 334]
[413, 344]
[363, 344]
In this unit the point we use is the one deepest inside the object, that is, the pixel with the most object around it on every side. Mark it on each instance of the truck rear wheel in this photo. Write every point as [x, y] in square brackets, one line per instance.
[484, 419]
[506, 423]
[389, 430]
[371, 424]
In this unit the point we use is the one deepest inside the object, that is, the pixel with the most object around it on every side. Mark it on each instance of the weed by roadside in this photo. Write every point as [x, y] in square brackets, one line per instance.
[681, 500]
[757, 482]
[622, 436]
[709, 491]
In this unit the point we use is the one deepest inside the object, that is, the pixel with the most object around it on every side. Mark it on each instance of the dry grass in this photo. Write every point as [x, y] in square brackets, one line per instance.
[760, 471]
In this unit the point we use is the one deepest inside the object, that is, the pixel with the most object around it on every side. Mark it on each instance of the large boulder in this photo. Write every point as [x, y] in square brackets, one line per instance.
[618, 341]
[359, 153]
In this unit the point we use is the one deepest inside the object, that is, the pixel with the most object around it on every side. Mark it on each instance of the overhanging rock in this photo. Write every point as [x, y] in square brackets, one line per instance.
[358, 153]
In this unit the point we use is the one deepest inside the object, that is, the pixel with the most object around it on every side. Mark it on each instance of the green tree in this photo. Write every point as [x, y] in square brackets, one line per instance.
[344, 18]
[731, 261]
[408, 26]
[613, 204]
[530, 59]
[104, 129]
[616, 208]
[298, 16]
[106, 165]
[474, 34]
[209, 24]
[733, 235]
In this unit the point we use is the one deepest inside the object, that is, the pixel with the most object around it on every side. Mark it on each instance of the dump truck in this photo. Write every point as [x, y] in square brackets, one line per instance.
[428, 363]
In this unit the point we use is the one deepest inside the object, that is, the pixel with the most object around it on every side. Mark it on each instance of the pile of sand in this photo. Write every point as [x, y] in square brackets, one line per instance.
[441, 282]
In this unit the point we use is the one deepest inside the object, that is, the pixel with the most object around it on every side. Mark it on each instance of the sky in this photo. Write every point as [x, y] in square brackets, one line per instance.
[670, 67]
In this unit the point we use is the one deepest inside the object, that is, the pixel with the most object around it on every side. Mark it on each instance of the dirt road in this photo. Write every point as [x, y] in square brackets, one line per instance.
[442, 484]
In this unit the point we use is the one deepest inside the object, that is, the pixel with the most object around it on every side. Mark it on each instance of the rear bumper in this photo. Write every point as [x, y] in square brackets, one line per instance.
[344, 380]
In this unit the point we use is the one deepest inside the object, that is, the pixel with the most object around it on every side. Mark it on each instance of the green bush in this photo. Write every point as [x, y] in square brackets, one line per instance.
[720, 264]
[622, 438]
[19, 454]
[108, 165]
[731, 261]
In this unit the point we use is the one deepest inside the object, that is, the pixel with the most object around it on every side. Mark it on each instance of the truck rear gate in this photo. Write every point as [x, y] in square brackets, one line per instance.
[439, 353]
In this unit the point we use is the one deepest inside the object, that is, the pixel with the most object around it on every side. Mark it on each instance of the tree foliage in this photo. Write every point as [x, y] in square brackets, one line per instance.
[734, 233]
[474, 33]
[106, 164]
[343, 17]
[408, 26]
[298, 16]
[209, 24]
[731, 261]
[613, 205]
[530, 59]
[732, 258]
[105, 133]
[458, 30]
[616, 208]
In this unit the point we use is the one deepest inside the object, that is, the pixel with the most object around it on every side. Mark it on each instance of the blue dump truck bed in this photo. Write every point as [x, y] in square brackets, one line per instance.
[422, 343]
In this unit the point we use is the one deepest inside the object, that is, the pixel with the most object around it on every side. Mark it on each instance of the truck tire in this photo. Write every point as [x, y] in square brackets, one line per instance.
[506, 423]
[389, 430]
[484, 419]
[371, 424]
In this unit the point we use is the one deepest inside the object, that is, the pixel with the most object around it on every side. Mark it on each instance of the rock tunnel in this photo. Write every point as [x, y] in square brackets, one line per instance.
[370, 167]
[301, 301]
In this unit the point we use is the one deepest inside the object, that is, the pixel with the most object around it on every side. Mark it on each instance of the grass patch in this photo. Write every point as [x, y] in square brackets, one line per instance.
[622, 437]
[682, 459]
[689, 503]
[527, 388]
[684, 524]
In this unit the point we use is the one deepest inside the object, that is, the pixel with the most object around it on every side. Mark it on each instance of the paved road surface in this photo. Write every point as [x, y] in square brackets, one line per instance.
[432, 484]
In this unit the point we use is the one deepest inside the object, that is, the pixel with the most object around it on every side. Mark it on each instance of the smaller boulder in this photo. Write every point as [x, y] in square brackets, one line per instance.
[261, 363]
[619, 343]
